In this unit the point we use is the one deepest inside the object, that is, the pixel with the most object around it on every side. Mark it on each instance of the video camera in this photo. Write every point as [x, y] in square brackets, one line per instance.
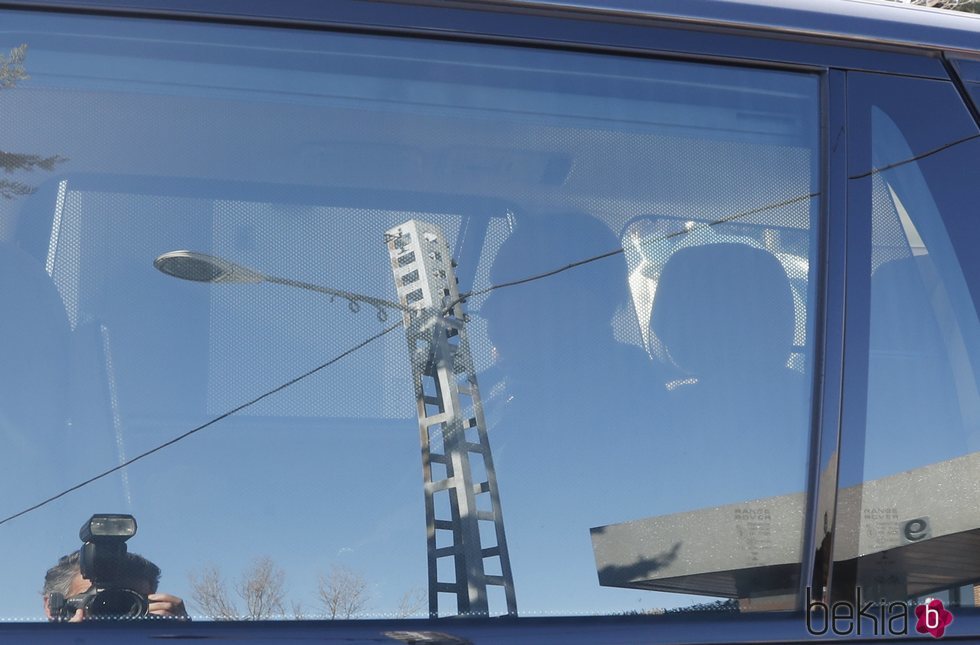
[102, 560]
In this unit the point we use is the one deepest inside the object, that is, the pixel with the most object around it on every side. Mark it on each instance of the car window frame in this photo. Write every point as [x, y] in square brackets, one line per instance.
[839, 240]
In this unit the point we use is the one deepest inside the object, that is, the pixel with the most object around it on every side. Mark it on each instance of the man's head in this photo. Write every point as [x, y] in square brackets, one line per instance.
[138, 574]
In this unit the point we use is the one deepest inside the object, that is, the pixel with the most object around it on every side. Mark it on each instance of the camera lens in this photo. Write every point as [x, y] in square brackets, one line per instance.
[117, 603]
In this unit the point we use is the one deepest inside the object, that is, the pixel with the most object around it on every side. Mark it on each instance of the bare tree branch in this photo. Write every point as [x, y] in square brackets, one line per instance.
[11, 189]
[972, 6]
[11, 161]
[262, 589]
[210, 595]
[298, 612]
[414, 602]
[957, 5]
[343, 592]
[11, 71]
[12, 67]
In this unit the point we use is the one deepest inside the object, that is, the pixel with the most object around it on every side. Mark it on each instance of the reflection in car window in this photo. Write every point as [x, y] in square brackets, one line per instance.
[629, 420]
[923, 402]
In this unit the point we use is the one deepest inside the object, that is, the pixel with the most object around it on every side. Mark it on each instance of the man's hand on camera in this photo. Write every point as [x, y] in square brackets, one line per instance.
[163, 604]
[78, 617]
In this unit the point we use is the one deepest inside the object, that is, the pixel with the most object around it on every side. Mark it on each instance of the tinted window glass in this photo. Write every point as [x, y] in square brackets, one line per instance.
[318, 271]
[974, 90]
[923, 402]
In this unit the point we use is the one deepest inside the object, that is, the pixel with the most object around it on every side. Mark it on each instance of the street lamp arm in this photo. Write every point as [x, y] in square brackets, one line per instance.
[349, 296]
[202, 267]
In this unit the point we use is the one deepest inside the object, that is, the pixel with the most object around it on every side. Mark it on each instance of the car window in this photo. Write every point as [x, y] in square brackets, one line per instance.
[394, 327]
[905, 482]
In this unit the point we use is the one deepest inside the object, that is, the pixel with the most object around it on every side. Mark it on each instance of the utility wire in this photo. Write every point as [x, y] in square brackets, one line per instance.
[602, 256]
[462, 298]
[386, 331]
[227, 414]
[928, 153]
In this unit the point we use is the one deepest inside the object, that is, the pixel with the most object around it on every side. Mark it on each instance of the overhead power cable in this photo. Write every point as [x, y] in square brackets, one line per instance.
[927, 153]
[382, 333]
[213, 421]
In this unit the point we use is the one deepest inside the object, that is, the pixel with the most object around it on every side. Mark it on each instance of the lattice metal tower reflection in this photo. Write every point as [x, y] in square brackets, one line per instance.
[460, 483]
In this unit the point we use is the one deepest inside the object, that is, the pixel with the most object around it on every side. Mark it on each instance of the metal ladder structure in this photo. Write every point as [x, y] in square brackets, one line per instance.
[460, 483]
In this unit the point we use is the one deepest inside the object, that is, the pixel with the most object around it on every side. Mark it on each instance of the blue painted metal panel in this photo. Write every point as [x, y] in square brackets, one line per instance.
[788, 627]
[710, 35]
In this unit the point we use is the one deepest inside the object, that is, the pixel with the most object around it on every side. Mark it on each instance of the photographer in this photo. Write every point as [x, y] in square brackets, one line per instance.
[137, 573]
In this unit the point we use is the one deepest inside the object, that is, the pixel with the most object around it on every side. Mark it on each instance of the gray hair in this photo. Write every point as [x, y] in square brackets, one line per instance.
[136, 568]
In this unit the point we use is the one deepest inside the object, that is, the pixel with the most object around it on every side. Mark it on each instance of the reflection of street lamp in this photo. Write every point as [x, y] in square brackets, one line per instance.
[452, 427]
[200, 267]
